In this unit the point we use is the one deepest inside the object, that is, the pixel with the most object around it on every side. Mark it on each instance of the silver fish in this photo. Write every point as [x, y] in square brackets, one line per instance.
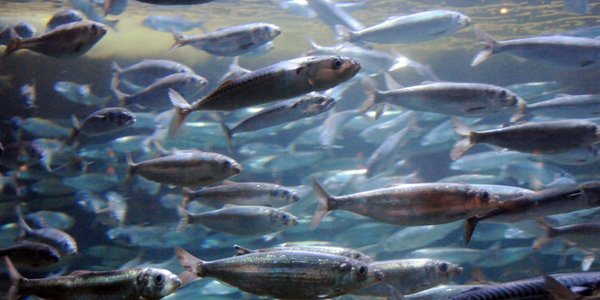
[58, 239]
[80, 93]
[63, 17]
[564, 107]
[171, 23]
[31, 254]
[347, 252]
[333, 15]
[148, 71]
[103, 121]
[244, 193]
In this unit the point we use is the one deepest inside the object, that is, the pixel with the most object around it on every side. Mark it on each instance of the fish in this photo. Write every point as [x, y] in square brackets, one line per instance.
[65, 41]
[131, 284]
[441, 292]
[381, 157]
[175, 2]
[563, 107]
[550, 201]
[347, 252]
[147, 71]
[115, 7]
[22, 30]
[60, 240]
[578, 235]
[560, 51]
[90, 10]
[63, 17]
[414, 28]
[169, 23]
[231, 41]
[408, 276]
[539, 138]
[103, 121]
[283, 112]
[244, 193]
[285, 79]
[409, 205]
[186, 168]
[80, 93]
[333, 15]
[448, 98]
[155, 95]
[31, 254]
[286, 274]
[241, 220]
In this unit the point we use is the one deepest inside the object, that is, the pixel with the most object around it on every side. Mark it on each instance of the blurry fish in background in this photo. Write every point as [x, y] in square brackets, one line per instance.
[113, 7]
[175, 2]
[42, 128]
[63, 17]
[58, 239]
[66, 41]
[168, 23]
[301, 7]
[110, 210]
[20, 30]
[29, 95]
[31, 254]
[147, 71]
[333, 15]
[92, 12]
[564, 107]
[103, 121]
[231, 41]
[80, 93]
[243, 193]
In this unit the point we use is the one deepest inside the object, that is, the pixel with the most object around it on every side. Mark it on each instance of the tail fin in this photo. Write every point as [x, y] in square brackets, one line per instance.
[15, 42]
[470, 224]
[522, 106]
[117, 69]
[182, 109]
[189, 262]
[371, 92]
[228, 134]
[489, 45]
[323, 207]
[463, 145]
[131, 168]
[112, 24]
[559, 291]
[184, 218]
[549, 233]
[122, 97]
[21, 220]
[75, 132]
[180, 40]
[15, 278]
[344, 33]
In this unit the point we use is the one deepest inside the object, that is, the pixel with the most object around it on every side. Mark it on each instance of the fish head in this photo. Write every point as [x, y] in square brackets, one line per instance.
[123, 118]
[461, 20]
[95, 30]
[284, 196]
[440, 271]
[363, 273]
[196, 81]
[506, 98]
[281, 218]
[229, 166]
[322, 104]
[324, 72]
[272, 31]
[155, 283]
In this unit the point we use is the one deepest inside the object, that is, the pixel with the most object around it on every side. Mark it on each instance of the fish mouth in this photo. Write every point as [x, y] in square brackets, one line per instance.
[293, 222]
[236, 169]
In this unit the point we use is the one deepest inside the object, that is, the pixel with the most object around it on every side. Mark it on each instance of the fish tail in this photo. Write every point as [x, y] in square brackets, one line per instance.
[522, 111]
[22, 224]
[470, 224]
[343, 33]
[559, 291]
[131, 169]
[323, 208]
[122, 97]
[189, 262]
[371, 92]
[107, 6]
[180, 40]
[549, 233]
[489, 46]
[15, 42]
[464, 144]
[116, 68]
[184, 218]
[15, 279]
[228, 134]
[187, 196]
[112, 24]
[74, 133]
[182, 108]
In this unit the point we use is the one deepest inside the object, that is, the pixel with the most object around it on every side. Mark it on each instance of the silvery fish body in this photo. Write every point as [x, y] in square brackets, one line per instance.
[242, 220]
[171, 23]
[231, 41]
[58, 239]
[62, 17]
[155, 96]
[23, 30]
[103, 121]
[419, 27]
[175, 2]
[332, 15]
[244, 193]
[69, 40]
[442, 292]
[90, 10]
[127, 284]
[187, 168]
[407, 276]
[148, 71]
[79, 93]
[567, 107]
[347, 252]
[286, 274]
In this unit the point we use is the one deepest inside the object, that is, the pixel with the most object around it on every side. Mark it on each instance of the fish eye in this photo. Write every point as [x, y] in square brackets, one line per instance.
[443, 267]
[485, 196]
[357, 256]
[158, 279]
[226, 165]
[503, 93]
[362, 270]
[94, 29]
[284, 217]
[337, 63]
[285, 194]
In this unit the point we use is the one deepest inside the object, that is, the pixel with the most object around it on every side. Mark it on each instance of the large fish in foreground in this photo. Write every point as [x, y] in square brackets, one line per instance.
[127, 284]
[409, 205]
[283, 80]
[286, 274]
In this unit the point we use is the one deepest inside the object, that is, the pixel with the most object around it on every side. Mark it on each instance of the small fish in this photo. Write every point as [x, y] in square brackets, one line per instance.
[560, 51]
[244, 193]
[333, 15]
[90, 10]
[171, 23]
[80, 93]
[147, 71]
[415, 28]
[187, 168]
[156, 95]
[241, 220]
[581, 235]
[283, 112]
[68, 41]
[31, 254]
[347, 252]
[103, 121]
[564, 107]
[282, 80]
[129, 284]
[63, 17]
[21, 30]
[29, 95]
[231, 41]
[410, 204]
[311, 274]
[175, 2]
[115, 7]
[538, 138]
[58, 239]
[381, 157]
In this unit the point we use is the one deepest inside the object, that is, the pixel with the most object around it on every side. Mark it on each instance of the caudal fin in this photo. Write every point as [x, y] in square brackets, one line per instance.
[184, 218]
[182, 109]
[521, 113]
[463, 145]
[189, 262]
[549, 233]
[15, 278]
[371, 91]
[559, 291]
[180, 40]
[323, 207]
[489, 46]
[228, 134]
[15, 42]
[344, 34]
